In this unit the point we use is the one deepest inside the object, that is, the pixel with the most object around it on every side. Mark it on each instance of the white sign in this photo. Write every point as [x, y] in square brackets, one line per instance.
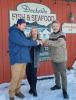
[69, 27]
[35, 15]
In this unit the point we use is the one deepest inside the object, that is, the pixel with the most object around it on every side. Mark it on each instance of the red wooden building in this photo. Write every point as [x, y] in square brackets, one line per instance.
[63, 10]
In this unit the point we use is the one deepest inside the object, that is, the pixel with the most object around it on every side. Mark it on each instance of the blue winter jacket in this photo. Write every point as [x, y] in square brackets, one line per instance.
[19, 46]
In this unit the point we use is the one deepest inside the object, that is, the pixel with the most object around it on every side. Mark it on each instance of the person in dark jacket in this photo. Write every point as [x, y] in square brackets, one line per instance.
[31, 69]
[19, 53]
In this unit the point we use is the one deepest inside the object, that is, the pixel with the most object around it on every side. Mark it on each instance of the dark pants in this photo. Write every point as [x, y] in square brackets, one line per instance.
[31, 73]
[60, 71]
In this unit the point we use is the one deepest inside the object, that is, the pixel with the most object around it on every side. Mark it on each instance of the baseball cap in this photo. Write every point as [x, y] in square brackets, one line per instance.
[20, 21]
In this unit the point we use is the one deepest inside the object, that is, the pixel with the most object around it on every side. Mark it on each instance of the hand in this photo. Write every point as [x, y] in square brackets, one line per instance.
[45, 43]
[39, 42]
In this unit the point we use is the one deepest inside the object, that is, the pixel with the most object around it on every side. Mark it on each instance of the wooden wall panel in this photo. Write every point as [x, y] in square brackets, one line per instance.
[1, 46]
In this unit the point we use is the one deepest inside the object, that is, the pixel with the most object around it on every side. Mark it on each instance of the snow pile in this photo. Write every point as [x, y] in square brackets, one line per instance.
[43, 89]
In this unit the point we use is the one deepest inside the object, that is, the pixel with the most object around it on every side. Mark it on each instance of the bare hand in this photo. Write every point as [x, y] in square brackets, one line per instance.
[45, 43]
[40, 42]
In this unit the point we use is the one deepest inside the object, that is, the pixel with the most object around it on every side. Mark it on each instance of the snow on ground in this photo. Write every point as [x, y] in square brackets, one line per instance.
[43, 90]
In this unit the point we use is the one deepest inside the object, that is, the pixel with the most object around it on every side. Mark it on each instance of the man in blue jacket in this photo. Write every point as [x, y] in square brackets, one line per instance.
[19, 47]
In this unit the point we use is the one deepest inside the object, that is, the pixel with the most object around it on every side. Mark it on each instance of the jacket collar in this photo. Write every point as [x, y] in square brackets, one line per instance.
[56, 32]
